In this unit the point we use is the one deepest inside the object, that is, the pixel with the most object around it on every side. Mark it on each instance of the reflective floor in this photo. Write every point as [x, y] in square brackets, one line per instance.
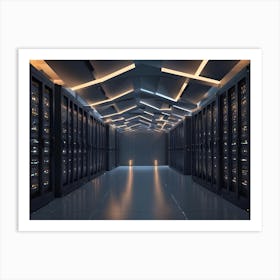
[141, 192]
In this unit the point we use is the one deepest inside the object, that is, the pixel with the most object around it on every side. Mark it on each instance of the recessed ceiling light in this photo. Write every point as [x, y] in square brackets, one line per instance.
[165, 97]
[164, 113]
[146, 112]
[181, 90]
[179, 116]
[147, 91]
[154, 107]
[137, 124]
[181, 108]
[106, 77]
[113, 98]
[191, 76]
[201, 67]
[119, 113]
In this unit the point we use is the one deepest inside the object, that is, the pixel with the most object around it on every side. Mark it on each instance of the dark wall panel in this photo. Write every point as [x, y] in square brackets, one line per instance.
[142, 148]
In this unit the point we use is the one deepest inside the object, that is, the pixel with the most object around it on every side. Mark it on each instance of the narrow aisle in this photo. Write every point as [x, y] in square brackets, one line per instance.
[140, 192]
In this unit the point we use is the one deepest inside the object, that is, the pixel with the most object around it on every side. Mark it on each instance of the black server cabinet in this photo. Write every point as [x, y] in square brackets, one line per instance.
[117, 151]
[235, 133]
[221, 147]
[74, 156]
[188, 146]
[41, 141]
[111, 147]
[179, 147]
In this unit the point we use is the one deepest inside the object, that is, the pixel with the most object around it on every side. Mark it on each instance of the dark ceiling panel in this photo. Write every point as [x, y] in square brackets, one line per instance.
[117, 86]
[195, 91]
[217, 69]
[107, 110]
[72, 72]
[170, 86]
[149, 83]
[105, 67]
[187, 66]
[153, 63]
[92, 94]
[122, 105]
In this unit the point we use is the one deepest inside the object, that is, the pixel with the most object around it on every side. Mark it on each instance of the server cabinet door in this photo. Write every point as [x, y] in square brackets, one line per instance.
[209, 144]
[75, 143]
[215, 143]
[233, 124]
[46, 138]
[41, 117]
[64, 136]
[70, 141]
[84, 141]
[225, 140]
[244, 139]
[36, 87]
[80, 143]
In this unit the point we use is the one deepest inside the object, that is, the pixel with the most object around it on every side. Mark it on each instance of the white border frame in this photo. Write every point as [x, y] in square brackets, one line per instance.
[254, 224]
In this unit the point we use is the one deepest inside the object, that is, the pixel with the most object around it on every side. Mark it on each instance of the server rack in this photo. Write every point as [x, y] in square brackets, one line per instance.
[221, 145]
[41, 141]
[80, 143]
[65, 155]
[235, 130]
[179, 147]
[112, 147]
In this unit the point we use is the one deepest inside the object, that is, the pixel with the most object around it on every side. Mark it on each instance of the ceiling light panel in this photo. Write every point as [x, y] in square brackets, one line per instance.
[187, 75]
[112, 99]
[106, 77]
[119, 113]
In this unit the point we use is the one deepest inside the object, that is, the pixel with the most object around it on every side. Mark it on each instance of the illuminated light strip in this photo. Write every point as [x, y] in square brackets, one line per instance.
[170, 123]
[131, 118]
[181, 108]
[160, 120]
[146, 118]
[181, 117]
[165, 114]
[121, 126]
[106, 77]
[144, 122]
[191, 76]
[134, 125]
[112, 99]
[139, 116]
[147, 91]
[116, 120]
[181, 90]
[148, 113]
[121, 112]
[197, 73]
[154, 107]
[201, 67]
[165, 96]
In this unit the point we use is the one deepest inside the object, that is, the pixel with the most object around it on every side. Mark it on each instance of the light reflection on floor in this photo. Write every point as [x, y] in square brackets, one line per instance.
[140, 192]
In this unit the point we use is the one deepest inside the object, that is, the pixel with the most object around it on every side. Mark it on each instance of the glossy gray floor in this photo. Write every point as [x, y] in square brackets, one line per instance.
[141, 193]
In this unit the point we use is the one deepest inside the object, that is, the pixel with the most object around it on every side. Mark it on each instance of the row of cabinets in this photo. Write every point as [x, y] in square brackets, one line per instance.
[68, 144]
[219, 154]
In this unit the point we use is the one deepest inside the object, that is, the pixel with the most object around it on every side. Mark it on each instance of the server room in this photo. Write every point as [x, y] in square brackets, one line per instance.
[139, 140]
